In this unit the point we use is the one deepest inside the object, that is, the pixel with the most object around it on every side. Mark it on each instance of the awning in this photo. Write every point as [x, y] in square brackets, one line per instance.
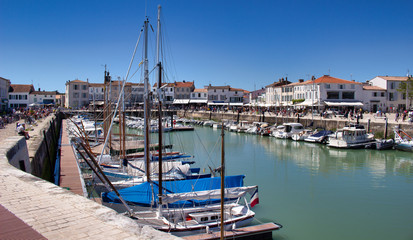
[307, 102]
[198, 101]
[236, 104]
[343, 103]
[181, 101]
[218, 103]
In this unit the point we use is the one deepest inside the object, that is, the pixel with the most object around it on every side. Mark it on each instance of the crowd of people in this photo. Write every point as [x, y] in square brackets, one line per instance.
[24, 118]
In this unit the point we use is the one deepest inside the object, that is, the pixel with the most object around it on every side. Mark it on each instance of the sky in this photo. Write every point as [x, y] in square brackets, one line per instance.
[244, 44]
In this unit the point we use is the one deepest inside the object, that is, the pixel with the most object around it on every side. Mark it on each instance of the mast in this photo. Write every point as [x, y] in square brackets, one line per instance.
[222, 180]
[159, 109]
[146, 102]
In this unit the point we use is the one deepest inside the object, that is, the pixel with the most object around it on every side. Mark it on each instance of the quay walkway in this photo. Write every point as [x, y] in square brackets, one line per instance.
[31, 208]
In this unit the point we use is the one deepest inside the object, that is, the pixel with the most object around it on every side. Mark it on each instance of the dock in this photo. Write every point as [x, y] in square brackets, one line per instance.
[262, 231]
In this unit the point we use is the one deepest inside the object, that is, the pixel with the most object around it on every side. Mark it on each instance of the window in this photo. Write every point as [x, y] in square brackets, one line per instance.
[341, 86]
[348, 95]
[83, 95]
[214, 217]
[404, 96]
[222, 97]
[352, 86]
[382, 94]
[392, 85]
[35, 100]
[199, 95]
[391, 97]
[332, 95]
[327, 85]
[84, 87]
[374, 94]
[215, 90]
[76, 87]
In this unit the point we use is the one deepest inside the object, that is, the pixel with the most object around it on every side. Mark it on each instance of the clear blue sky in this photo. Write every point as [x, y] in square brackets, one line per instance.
[245, 44]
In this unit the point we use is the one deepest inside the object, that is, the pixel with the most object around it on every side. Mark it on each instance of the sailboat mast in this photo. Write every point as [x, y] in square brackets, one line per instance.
[159, 108]
[222, 180]
[146, 107]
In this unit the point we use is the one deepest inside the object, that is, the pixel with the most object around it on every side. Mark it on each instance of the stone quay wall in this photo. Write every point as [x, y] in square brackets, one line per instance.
[370, 121]
[52, 211]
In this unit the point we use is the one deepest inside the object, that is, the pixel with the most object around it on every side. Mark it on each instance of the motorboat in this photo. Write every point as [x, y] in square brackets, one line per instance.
[302, 135]
[287, 130]
[403, 141]
[319, 137]
[352, 136]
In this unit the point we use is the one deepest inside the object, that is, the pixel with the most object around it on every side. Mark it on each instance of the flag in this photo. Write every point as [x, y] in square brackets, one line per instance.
[254, 198]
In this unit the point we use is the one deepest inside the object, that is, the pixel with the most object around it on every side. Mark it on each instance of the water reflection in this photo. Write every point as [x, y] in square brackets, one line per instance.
[320, 158]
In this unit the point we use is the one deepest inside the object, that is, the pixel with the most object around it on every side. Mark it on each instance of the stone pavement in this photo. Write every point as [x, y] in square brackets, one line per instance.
[56, 213]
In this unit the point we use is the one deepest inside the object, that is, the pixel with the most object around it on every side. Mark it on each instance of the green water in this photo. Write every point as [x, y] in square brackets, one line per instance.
[314, 191]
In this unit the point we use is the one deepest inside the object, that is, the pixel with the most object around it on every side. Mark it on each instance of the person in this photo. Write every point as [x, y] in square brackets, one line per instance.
[21, 130]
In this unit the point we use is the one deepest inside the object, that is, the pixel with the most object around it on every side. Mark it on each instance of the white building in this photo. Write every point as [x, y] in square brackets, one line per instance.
[395, 100]
[273, 92]
[42, 97]
[324, 91]
[19, 95]
[200, 95]
[77, 94]
[374, 98]
[225, 95]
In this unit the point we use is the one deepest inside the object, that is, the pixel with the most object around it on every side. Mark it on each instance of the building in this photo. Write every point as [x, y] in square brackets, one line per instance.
[374, 98]
[225, 95]
[257, 98]
[168, 92]
[37, 98]
[273, 92]
[19, 95]
[77, 94]
[199, 96]
[4, 93]
[395, 100]
[325, 91]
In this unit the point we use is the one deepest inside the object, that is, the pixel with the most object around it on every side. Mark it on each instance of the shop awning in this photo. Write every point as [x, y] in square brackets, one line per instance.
[236, 104]
[198, 101]
[307, 102]
[343, 103]
[218, 103]
[181, 101]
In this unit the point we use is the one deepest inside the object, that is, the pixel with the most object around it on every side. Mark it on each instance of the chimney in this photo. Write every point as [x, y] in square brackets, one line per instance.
[183, 81]
[353, 80]
[300, 80]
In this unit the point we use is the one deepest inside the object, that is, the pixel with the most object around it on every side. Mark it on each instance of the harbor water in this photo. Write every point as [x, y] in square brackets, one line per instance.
[314, 191]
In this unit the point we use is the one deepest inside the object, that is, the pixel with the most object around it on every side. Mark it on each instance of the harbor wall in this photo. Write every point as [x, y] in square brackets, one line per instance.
[374, 125]
[52, 211]
[42, 147]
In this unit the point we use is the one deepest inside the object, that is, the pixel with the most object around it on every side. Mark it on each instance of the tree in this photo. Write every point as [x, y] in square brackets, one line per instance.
[407, 87]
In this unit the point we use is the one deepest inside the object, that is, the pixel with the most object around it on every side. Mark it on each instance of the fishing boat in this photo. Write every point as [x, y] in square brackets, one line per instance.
[403, 141]
[352, 136]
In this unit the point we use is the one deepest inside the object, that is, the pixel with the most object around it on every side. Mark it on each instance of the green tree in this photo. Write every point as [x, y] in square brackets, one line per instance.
[407, 87]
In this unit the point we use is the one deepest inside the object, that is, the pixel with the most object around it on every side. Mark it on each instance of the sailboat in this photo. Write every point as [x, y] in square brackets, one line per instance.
[188, 206]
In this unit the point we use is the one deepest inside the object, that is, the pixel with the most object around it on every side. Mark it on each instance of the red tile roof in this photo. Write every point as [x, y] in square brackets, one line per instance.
[184, 84]
[21, 88]
[328, 79]
[201, 90]
[78, 81]
[393, 78]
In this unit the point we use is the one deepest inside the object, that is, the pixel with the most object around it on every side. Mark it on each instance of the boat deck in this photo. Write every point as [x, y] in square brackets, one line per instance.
[263, 231]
